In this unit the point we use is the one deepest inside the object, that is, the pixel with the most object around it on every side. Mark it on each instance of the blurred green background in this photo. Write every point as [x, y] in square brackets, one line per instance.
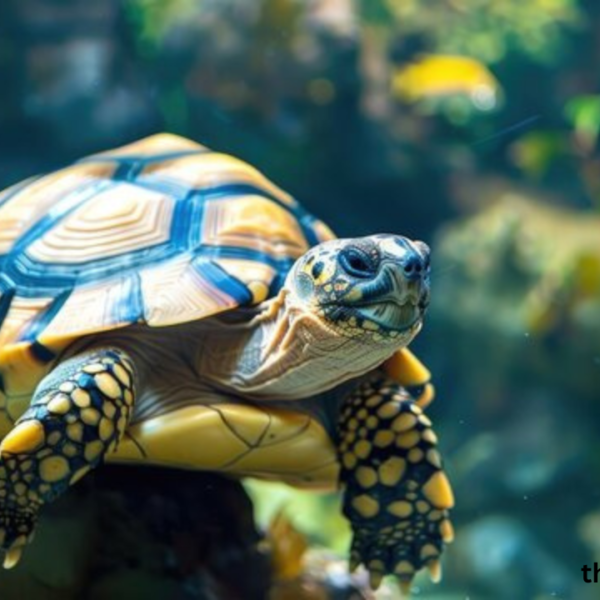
[470, 124]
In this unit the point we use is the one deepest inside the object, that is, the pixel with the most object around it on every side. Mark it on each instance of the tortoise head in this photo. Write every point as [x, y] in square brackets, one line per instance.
[376, 286]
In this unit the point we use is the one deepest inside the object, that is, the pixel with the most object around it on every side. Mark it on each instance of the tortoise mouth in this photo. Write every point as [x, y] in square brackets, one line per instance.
[387, 316]
[391, 315]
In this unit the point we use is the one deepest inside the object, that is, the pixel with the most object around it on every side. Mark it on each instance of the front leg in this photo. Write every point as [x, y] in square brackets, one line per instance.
[396, 494]
[78, 413]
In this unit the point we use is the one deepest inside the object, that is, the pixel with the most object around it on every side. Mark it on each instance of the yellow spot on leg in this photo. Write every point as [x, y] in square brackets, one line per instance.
[384, 438]
[400, 509]
[60, 404]
[93, 450]
[392, 470]
[404, 422]
[108, 385]
[79, 474]
[438, 491]
[429, 551]
[362, 449]
[404, 568]
[95, 368]
[54, 468]
[25, 437]
[388, 410]
[122, 375]
[415, 455]
[365, 505]
[109, 409]
[75, 431]
[106, 429]
[349, 460]
[90, 416]
[408, 439]
[81, 398]
[366, 476]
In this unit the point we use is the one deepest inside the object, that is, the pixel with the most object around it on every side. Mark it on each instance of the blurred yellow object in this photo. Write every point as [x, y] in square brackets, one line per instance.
[287, 546]
[439, 75]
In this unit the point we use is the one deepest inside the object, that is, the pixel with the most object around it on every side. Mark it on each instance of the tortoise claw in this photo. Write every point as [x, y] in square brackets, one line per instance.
[405, 587]
[435, 570]
[375, 579]
[12, 557]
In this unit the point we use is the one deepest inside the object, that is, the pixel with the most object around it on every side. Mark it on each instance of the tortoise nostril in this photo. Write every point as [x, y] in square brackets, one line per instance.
[413, 265]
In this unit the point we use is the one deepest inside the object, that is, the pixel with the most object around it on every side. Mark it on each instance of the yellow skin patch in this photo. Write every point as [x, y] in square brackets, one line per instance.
[25, 437]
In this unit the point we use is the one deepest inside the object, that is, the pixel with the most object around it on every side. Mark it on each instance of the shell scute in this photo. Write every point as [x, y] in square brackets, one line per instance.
[161, 231]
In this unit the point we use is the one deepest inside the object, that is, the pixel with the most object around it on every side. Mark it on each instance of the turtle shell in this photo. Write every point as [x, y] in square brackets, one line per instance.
[162, 231]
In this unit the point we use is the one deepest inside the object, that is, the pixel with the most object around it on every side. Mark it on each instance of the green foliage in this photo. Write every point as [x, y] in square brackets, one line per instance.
[480, 28]
[154, 18]
[583, 112]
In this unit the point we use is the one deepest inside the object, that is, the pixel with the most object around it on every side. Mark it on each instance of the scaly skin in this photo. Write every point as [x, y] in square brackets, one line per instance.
[78, 414]
[396, 494]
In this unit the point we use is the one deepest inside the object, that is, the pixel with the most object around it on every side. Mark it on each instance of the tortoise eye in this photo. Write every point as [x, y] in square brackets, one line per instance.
[356, 262]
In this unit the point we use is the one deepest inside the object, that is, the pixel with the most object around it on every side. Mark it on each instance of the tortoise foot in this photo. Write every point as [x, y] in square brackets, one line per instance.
[77, 415]
[396, 494]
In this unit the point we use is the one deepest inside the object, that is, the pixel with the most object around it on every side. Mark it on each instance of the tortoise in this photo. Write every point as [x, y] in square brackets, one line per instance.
[164, 304]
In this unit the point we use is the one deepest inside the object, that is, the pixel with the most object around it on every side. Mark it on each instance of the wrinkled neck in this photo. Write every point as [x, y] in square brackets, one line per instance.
[286, 352]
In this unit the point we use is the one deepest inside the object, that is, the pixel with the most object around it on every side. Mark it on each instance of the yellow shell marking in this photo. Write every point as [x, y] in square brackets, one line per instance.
[438, 491]
[25, 437]
[54, 468]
